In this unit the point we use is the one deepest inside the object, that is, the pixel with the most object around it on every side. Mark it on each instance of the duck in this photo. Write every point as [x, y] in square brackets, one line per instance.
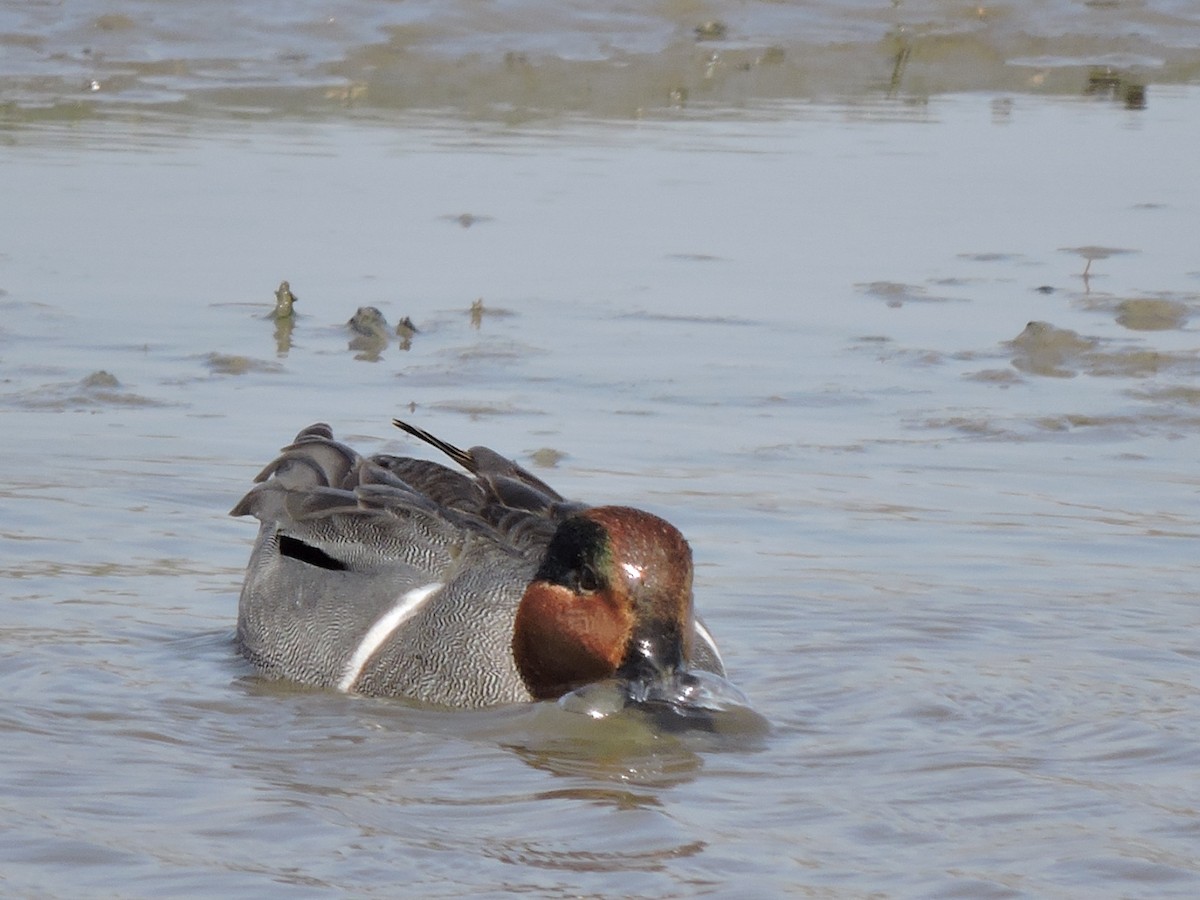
[468, 587]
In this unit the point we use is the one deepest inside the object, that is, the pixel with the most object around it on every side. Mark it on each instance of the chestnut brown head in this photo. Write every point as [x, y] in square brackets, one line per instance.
[613, 596]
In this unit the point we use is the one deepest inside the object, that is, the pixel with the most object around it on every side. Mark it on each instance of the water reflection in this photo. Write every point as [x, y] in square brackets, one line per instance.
[623, 748]
[627, 846]
[627, 744]
[1107, 82]
[283, 335]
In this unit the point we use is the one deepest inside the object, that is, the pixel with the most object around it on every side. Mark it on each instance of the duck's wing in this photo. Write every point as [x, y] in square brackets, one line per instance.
[505, 481]
[523, 509]
[439, 484]
[331, 507]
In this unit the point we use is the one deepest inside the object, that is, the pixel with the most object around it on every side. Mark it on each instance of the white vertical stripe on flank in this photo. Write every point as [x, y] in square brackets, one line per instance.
[385, 626]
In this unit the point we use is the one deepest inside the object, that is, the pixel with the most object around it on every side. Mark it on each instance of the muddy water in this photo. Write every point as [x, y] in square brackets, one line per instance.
[518, 60]
[916, 373]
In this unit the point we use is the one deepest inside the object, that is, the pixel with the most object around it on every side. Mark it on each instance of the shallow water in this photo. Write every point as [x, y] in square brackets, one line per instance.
[518, 60]
[949, 555]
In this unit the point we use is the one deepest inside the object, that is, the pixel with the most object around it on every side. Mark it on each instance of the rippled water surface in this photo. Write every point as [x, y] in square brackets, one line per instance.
[891, 308]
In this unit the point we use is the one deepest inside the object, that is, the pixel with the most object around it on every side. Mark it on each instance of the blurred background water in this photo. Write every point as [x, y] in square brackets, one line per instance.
[890, 307]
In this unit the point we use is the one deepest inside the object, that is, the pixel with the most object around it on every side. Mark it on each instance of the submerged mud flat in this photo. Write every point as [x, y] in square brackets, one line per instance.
[930, 437]
[517, 61]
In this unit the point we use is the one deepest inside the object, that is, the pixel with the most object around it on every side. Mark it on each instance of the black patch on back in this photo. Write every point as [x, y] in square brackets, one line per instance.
[306, 553]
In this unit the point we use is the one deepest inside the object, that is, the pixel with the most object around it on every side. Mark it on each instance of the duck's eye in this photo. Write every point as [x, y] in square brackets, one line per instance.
[588, 580]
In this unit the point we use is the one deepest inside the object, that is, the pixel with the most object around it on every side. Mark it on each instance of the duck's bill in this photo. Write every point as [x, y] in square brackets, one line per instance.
[676, 700]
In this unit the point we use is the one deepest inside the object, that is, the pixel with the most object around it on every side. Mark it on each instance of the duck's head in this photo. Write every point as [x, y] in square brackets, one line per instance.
[612, 597]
